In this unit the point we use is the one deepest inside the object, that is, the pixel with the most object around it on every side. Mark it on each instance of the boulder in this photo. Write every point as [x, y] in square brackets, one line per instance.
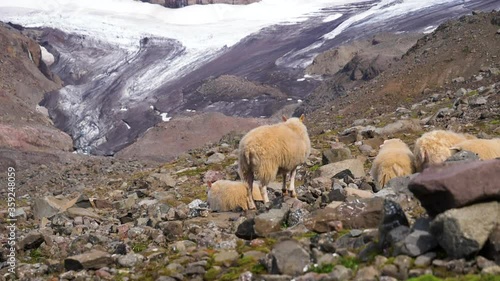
[90, 260]
[354, 165]
[454, 185]
[360, 213]
[290, 258]
[463, 232]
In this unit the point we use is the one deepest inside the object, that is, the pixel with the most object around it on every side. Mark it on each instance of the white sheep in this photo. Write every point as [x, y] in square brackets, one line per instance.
[271, 149]
[394, 159]
[434, 147]
[484, 148]
[226, 195]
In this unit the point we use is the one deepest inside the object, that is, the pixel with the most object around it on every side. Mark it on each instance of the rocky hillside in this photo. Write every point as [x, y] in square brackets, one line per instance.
[96, 218]
[24, 78]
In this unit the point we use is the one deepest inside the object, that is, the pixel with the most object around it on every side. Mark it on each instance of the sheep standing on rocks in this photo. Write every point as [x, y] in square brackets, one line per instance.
[434, 147]
[271, 149]
[226, 195]
[394, 159]
[484, 148]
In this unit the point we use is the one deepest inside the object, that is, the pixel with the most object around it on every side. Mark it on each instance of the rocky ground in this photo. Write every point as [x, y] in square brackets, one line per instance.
[96, 218]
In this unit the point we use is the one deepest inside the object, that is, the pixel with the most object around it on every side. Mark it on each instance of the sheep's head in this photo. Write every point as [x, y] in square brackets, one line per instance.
[301, 118]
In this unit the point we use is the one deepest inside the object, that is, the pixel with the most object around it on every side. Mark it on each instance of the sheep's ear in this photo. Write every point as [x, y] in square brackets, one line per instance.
[209, 183]
[302, 117]
[283, 117]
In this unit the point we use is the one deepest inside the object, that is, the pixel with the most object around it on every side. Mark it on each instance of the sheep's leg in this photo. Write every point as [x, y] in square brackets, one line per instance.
[250, 202]
[263, 192]
[292, 183]
[283, 189]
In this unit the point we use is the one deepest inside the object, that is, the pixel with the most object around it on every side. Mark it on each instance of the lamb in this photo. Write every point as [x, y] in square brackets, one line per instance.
[484, 148]
[271, 149]
[434, 147]
[226, 195]
[394, 159]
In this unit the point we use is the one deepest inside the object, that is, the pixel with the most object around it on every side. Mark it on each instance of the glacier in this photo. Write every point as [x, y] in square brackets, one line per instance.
[126, 63]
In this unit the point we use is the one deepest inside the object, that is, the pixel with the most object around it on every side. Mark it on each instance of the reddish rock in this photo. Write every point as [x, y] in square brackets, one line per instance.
[455, 185]
[360, 214]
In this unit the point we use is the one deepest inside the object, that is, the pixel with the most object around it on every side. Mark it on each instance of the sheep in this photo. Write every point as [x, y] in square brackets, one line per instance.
[268, 150]
[394, 159]
[484, 148]
[434, 147]
[226, 195]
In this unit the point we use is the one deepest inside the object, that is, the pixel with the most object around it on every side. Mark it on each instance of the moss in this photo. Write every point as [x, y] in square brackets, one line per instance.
[472, 93]
[495, 122]
[246, 260]
[35, 256]
[211, 274]
[193, 172]
[139, 247]
[323, 268]
[308, 234]
[315, 167]
[469, 277]
[258, 269]
[349, 262]
[426, 277]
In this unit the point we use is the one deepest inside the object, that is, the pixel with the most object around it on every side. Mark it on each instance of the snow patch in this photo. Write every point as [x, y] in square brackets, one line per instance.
[164, 117]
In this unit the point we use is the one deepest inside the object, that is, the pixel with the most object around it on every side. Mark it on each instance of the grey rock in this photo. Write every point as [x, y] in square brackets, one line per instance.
[493, 270]
[289, 258]
[463, 155]
[167, 180]
[354, 165]
[483, 262]
[478, 101]
[322, 183]
[418, 242]
[274, 277]
[368, 273]
[246, 230]
[336, 155]
[215, 158]
[425, 259]
[270, 222]
[492, 247]
[32, 240]
[94, 259]
[81, 212]
[392, 217]
[387, 278]
[226, 257]
[335, 194]
[171, 229]
[395, 236]
[46, 207]
[165, 278]
[403, 263]
[340, 273]
[460, 92]
[296, 216]
[463, 232]
[390, 270]
[195, 268]
[458, 80]
[130, 260]
[400, 126]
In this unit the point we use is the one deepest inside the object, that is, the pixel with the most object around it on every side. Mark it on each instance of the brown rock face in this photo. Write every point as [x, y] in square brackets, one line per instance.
[24, 79]
[453, 185]
[170, 139]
